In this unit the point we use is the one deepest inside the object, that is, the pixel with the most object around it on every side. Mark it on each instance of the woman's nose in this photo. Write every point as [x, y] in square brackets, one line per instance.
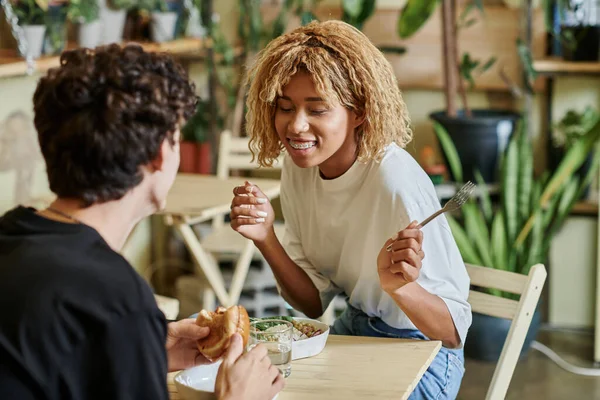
[299, 123]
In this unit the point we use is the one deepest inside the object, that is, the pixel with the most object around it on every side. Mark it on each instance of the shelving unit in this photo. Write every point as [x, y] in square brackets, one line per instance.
[557, 66]
[13, 65]
[553, 67]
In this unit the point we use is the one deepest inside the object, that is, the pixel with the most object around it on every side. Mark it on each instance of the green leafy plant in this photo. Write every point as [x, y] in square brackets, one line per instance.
[255, 32]
[572, 126]
[197, 127]
[121, 4]
[83, 11]
[150, 6]
[517, 232]
[31, 12]
[466, 68]
[550, 7]
[356, 12]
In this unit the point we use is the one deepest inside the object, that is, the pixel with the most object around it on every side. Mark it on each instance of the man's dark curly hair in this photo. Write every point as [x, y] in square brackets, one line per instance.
[103, 114]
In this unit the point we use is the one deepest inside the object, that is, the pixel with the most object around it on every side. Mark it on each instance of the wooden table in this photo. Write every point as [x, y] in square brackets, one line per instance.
[353, 367]
[197, 198]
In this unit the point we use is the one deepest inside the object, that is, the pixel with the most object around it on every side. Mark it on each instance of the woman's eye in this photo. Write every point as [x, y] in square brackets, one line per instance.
[318, 112]
[284, 109]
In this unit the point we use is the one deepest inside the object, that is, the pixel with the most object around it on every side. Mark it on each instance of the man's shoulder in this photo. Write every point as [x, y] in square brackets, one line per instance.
[92, 279]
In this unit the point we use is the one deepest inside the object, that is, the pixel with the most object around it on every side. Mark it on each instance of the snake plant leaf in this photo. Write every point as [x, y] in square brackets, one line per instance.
[498, 242]
[450, 151]
[586, 181]
[413, 16]
[550, 210]
[465, 247]
[512, 259]
[486, 201]
[478, 231]
[535, 249]
[575, 156]
[525, 176]
[568, 196]
[510, 181]
[591, 173]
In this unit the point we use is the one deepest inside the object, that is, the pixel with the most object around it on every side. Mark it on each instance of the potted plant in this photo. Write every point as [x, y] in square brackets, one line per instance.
[480, 135]
[195, 151]
[112, 16]
[86, 13]
[31, 15]
[517, 232]
[162, 26]
[56, 27]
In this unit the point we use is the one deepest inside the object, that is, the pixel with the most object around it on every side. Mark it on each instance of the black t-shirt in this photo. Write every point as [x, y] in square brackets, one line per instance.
[76, 320]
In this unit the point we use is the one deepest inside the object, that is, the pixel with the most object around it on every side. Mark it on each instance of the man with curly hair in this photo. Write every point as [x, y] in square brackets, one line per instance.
[77, 321]
[327, 96]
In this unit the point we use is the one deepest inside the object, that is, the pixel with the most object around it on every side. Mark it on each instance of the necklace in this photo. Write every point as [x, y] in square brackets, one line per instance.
[63, 214]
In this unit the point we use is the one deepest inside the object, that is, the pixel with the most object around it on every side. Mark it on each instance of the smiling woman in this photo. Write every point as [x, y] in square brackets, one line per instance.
[306, 74]
[314, 132]
[329, 99]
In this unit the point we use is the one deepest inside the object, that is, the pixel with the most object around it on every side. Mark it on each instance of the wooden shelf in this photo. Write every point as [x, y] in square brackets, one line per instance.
[556, 66]
[11, 64]
[585, 208]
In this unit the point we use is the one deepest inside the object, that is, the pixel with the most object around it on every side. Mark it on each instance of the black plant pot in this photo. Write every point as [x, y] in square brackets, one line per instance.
[479, 140]
[487, 335]
[587, 43]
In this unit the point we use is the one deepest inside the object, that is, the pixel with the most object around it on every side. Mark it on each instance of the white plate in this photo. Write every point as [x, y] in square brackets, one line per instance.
[312, 346]
[198, 383]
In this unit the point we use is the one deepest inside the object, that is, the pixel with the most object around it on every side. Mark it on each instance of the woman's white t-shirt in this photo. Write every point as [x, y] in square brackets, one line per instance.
[334, 230]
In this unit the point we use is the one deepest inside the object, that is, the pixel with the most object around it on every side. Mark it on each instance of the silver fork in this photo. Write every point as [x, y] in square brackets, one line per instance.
[454, 203]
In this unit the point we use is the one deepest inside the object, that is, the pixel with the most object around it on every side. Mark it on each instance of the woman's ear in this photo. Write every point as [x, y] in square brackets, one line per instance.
[359, 118]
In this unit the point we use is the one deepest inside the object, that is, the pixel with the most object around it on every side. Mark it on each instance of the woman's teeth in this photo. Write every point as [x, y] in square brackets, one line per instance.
[301, 145]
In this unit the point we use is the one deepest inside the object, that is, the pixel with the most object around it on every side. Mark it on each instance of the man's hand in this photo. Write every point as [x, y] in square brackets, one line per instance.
[249, 376]
[182, 350]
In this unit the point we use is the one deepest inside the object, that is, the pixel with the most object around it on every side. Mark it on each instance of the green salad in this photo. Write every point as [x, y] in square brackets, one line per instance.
[302, 330]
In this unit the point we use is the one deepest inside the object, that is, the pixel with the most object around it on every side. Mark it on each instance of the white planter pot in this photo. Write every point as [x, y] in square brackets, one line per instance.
[163, 26]
[90, 34]
[113, 22]
[34, 34]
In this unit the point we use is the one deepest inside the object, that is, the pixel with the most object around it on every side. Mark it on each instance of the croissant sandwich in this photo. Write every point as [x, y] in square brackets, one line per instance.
[223, 324]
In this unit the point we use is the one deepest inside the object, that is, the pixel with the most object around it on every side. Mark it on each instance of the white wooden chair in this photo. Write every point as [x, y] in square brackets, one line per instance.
[529, 287]
[226, 244]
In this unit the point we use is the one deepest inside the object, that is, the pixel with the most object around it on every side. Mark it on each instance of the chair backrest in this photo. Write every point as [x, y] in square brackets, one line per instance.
[529, 287]
[234, 154]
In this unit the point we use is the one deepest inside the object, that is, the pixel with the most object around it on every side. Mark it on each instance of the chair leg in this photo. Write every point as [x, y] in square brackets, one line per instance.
[206, 262]
[241, 272]
[209, 300]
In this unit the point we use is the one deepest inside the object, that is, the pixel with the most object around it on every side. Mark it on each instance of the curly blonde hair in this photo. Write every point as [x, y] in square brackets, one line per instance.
[346, 69]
